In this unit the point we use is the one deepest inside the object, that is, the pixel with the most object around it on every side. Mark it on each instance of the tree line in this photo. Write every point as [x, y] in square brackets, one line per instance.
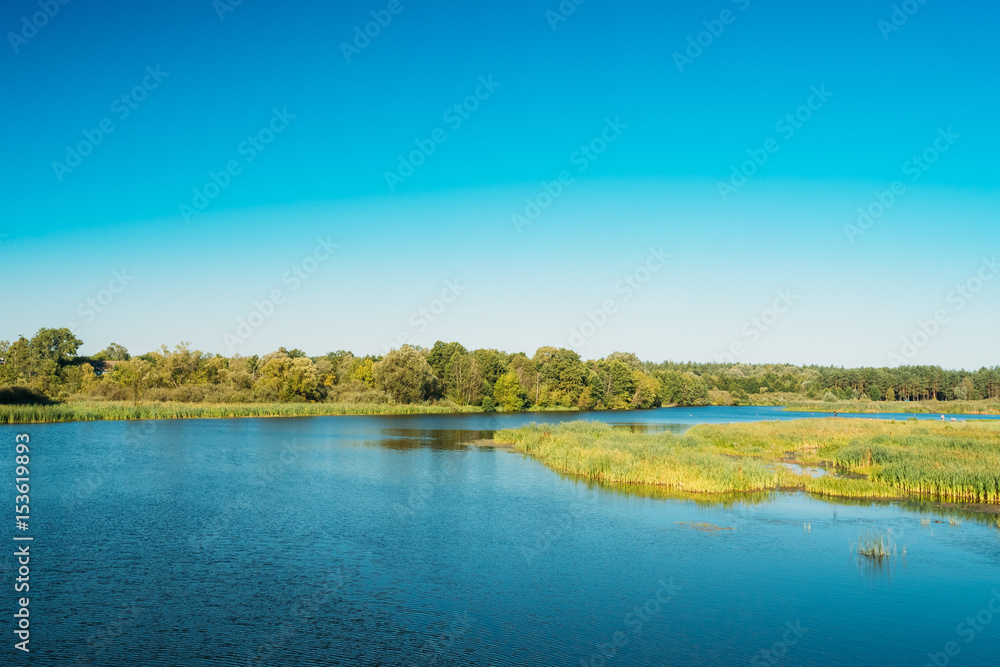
[48, 365]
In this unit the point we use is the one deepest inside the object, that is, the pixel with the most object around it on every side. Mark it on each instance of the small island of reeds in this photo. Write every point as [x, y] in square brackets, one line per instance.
[947, 462]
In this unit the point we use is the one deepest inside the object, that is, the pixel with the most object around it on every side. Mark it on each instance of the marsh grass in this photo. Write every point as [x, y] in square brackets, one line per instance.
[982, 407]
[619, 456]
[875, 545]
[877, 458]
[113, 410]
[940, 461]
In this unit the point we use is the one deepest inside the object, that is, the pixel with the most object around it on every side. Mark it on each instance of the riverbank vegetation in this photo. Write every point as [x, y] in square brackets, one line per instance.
[956, 407]
[117, 410]
[854, 458]
[47, 369]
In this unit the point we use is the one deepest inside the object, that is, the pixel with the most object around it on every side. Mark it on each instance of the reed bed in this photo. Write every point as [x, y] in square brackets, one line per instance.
[982, 407]
[875, 546]
[115, 411]
[958, 462]
[616, 456]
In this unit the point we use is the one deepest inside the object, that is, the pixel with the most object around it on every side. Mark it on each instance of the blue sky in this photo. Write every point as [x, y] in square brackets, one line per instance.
[270, 81]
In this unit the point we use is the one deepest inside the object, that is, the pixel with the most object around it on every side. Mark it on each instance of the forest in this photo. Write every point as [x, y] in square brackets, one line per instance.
[47, 367]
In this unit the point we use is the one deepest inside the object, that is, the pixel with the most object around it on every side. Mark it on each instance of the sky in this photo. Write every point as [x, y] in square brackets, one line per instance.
[809, 183]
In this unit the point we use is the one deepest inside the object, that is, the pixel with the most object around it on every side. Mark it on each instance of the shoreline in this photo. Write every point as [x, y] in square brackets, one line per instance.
[85, 411]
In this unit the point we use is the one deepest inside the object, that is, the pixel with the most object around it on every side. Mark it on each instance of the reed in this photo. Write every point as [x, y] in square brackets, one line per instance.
[108, 410]
[981, 407]
[618, 456]
[875, 546]
[864, 458]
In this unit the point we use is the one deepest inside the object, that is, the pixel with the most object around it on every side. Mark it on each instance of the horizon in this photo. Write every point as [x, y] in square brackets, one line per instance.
[814, 184]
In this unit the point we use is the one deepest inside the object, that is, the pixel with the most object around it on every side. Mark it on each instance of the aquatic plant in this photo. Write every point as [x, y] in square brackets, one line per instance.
[875, 545]
[116, 410]
[864, 458]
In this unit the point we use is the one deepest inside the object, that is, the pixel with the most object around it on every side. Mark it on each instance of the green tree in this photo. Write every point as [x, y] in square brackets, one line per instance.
[363, 372]
[405, 375]
[291, 379]
[58, 345]
[113, 352]
[491, 364]
[527, 375]
[646, 391]
[440, 356]
[564, 374]
[463, 379]
[135, 376]
[508, 392]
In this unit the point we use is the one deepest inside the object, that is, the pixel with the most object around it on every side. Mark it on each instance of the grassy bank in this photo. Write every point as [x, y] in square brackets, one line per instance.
[910, 407]
[109, 410]
[861, 458]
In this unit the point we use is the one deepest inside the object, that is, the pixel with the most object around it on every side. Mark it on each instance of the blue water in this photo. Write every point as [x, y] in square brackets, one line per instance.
[393, 541]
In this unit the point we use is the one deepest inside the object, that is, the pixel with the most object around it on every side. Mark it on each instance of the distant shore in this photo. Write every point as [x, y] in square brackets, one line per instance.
[117, 411]
[984, 407]
[76, 411]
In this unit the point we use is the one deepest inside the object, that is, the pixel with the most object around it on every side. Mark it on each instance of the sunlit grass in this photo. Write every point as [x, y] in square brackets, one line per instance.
[108, 410]
[864, 458]
[875, 545]
[617, 456]
[982, 407]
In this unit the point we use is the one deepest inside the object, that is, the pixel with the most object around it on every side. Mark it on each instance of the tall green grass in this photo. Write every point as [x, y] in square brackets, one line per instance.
[875, 546]
[941, 460]
[107, 410]
[983, 407]
[616, 456]
[865, 458]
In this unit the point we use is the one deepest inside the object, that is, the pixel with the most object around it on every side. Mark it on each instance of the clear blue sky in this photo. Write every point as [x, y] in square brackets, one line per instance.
[208, 84]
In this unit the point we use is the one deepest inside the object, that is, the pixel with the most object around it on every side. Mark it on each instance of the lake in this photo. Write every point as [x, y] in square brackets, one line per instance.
[374, 540]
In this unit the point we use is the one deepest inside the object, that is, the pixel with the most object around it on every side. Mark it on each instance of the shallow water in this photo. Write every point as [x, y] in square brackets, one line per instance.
[376, 540]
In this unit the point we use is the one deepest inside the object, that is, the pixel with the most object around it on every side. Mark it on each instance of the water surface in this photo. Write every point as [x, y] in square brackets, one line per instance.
[375, 540]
